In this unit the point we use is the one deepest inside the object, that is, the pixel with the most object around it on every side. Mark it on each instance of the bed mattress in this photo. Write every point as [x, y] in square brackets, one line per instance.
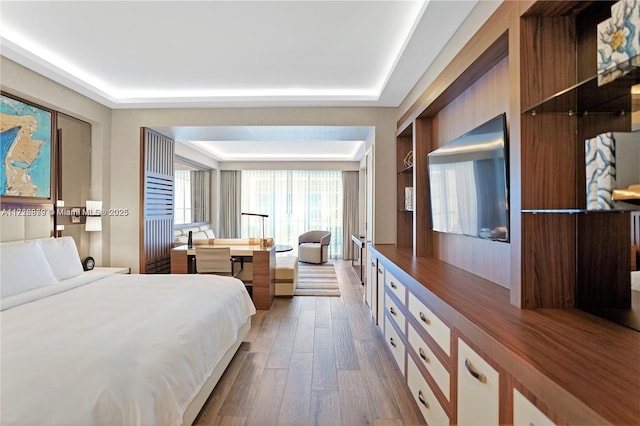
[117, 349]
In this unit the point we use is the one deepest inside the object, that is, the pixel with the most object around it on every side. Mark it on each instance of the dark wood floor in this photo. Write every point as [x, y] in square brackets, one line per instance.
[313, 361]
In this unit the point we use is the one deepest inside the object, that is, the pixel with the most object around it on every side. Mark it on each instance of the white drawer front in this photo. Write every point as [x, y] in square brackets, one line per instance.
[395, 286]
[527, 414]
[431, 409]
[478, 388]
[429, 360]
[394, 342]
[431, 323]
[397, 315]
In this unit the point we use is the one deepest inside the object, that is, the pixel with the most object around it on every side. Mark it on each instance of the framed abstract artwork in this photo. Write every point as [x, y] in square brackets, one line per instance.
[27, 148]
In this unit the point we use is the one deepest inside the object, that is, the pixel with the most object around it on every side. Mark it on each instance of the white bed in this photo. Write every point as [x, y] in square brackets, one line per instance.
[115, 349]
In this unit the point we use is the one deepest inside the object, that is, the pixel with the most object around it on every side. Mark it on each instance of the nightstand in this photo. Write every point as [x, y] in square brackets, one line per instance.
[109, 270]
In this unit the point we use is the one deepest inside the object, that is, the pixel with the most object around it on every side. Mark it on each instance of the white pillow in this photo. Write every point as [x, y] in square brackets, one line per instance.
[23, 267]
[63, 257]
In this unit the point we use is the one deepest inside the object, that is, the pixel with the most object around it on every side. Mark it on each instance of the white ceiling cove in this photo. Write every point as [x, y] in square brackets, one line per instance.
[173, 54]
[274, 143]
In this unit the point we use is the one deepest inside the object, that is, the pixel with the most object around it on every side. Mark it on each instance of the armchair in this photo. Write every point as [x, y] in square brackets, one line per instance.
[313, 246]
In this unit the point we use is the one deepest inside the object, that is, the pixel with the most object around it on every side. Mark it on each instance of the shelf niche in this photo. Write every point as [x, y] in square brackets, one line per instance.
[570, 257]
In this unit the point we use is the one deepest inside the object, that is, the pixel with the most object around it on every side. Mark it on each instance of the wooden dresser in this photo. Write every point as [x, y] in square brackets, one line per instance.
[470, 357]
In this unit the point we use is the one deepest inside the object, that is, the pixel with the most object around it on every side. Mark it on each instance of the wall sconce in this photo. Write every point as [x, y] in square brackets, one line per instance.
[93, 212]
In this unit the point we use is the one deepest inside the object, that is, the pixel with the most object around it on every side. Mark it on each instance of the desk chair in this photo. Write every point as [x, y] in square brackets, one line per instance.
[215, 260]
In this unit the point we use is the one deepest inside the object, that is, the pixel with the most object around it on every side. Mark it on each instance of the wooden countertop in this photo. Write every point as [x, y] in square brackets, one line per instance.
[558, 354]
[236, 249]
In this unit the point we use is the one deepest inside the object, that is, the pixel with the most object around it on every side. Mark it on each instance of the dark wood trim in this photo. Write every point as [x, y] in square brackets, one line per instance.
[156, 197]
[485, 49]
[422, 145]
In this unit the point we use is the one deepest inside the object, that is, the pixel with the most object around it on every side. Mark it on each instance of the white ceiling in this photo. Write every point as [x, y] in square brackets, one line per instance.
[152, 54]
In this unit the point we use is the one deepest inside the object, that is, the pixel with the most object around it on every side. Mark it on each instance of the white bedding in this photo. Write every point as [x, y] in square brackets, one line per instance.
[121, 349]
[635, 280]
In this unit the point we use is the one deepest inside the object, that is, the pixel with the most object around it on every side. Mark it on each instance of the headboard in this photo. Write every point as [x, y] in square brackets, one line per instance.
[26, 222]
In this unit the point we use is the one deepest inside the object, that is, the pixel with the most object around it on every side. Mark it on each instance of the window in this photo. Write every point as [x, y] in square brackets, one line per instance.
[296, 201]
[182, 197]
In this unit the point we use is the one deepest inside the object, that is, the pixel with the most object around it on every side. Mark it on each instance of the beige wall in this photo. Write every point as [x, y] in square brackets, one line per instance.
[115, 136]
[29, 85]
[126, 153]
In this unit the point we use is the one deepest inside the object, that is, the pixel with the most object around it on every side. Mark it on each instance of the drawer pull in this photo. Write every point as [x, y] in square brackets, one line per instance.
[392, 342]
[393, 311]
[475, 373]
[373, 264]
[424, 318]
[380, 271]
[423, 355]
[422, 400]
[394, 286]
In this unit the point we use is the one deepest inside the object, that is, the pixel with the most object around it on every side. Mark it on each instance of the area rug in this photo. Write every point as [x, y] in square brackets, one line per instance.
[317, 280]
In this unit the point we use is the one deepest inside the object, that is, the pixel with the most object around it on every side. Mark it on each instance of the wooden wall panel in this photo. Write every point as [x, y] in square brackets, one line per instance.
[548, 260]
[546, 44]
[603, 278]
[156, 230]
[485, 99]
[404, 230]
[422, 144]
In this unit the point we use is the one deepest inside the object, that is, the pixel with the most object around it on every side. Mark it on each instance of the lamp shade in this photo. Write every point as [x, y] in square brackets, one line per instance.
[94, 224]
[94, 216]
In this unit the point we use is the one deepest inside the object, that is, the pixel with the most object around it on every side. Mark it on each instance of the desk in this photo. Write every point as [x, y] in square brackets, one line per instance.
[264, 268]
[360, 242]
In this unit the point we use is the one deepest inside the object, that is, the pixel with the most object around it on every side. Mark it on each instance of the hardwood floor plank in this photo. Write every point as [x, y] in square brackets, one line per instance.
[296, 400]
[305, 333]
[228, 421]
[323, 312]
[338, 310]
[389, 422]
[210, 411]
[324, 361]
[346, 355]
[411, 414]
[240, 398]
[283, 344]
[334, 367]
[325, 408]
[354, 404]
[372, 357]
[266, 405]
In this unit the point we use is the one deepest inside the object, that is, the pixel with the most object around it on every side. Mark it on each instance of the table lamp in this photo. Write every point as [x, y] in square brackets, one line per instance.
[262, 240]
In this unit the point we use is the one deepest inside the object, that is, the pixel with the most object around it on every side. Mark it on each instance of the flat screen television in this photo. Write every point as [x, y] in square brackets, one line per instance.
[468, 183]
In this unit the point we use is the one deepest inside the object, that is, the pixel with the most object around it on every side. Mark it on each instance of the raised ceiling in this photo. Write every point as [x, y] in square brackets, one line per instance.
[160, 54]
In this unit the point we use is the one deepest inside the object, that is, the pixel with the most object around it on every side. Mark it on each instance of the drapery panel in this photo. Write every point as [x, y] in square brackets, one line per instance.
[230, 189]
[296, 201]
[349, 212]
[200, 195]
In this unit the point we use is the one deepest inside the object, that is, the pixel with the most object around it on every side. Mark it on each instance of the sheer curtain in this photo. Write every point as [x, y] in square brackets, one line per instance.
[200, 195]
[296, 201]
[230, 186]
[350, 212]
[182, 197]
